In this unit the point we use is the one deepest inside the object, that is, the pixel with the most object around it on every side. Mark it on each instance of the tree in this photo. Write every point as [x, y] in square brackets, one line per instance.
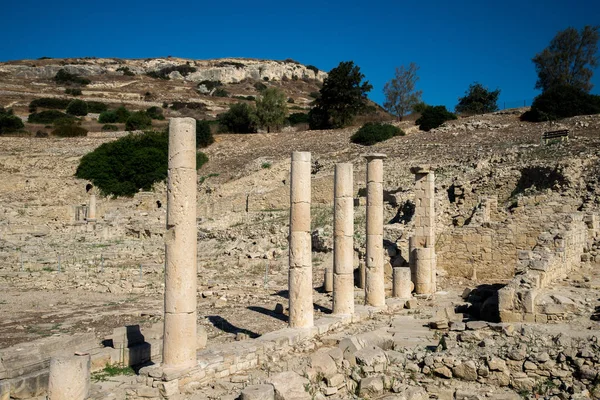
[343, 96]
[77, 107]
[478, 100]
[569, 59]
[138, 120]
[271, 108]
[434, 116]
[239, 119]
[204, 136]
[562, 101]
[400, 93]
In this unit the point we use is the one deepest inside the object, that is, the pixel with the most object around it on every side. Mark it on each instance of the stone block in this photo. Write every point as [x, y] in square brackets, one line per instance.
[258, 392]
[289, 385]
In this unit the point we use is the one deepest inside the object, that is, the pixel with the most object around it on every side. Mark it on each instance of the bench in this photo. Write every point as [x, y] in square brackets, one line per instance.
[561, 135]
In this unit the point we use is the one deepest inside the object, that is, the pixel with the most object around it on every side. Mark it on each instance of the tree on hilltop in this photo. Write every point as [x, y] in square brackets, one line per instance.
[400, 93]
[569, 59]
[478, 100]
[343, 96]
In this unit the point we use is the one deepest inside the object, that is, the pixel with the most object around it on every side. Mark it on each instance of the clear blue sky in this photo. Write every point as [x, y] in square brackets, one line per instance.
[454, 43]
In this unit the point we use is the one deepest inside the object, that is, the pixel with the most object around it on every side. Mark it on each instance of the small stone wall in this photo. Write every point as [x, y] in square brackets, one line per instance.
[558, 251]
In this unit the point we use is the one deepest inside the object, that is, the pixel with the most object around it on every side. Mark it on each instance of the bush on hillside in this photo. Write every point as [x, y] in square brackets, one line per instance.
[298, 118]
[163, 73]
[220, 92]
[67, 78]
[9, 122]
[73, 91]
[434, 116]
[96, 107]
[69, 130]
[131, 163]
[46, 117]
[239, 119]
[375, 132]
[210, 85]
[126, 71]
[78, 108]
[110, 117]
[204, 136]
[259, 86]
[138, 120]
[155, 113]
[109, 127]
[313, 69]
[48, 102]
[562, 101]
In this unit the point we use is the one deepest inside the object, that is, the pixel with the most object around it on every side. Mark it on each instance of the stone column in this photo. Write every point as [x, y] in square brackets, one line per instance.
[179, 340]
[69, 377]
[375, 279]
[422, 258]
[343, 240]
[300, 273]
[91, 217]
[402, 286]
[328, 280]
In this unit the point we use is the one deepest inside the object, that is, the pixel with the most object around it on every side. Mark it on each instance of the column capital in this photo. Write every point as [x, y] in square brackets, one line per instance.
[374, 156]
[422, 169]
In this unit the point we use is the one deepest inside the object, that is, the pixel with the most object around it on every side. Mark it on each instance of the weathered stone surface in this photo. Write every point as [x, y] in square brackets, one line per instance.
[466, 371]
[290, 386]
[371, 386]
[323, 364]
[371, 357]
[258, 392]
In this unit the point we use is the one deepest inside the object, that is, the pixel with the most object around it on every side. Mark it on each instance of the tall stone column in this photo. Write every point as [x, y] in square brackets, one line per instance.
[375, 282]
[422, 258]
[91, 217]
[300, 272]
[179, 340]
[343, 240]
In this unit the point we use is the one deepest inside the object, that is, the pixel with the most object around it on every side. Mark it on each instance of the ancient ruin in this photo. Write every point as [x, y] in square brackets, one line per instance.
[475, 276]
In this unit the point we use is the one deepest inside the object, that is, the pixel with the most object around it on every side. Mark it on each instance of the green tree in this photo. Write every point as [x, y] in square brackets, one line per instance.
[9, 122]
[478, 100]
[77, 107]
[271, 108]
[400, 93]
[137, 121]
[240, 118]
[569, 59]
[343, 96]
[204, 136]
[434, 116]
[562, 101]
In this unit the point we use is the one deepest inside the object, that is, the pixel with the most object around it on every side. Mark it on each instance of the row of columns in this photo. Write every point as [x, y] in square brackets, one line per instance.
[420, 275]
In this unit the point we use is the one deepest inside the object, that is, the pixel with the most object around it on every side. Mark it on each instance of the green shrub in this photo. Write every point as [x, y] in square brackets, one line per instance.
[155, 113]
[249, 98]
[9, 122]
[260, 86]
[298, 118]
[66, 78]
[201, 159]
[239, 119]
[420, 107]
[73, 91]
[434, 116]
[131, 163]
[46, 117]
[204, 136]
[210, 85]
[69, 131]
[77, 107]
[49, 102]
[375, 132]
[126, 71]
[138, 120]
[109, 127]
[163, 73]
[178, 105]
[96, 107]
[290, 100]
[313, 68]
[315, 95]
[562, 102]
[220, 92]
[110, 117]
[234, 64]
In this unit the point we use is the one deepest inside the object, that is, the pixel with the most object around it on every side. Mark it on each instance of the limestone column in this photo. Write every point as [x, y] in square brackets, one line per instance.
[328, 280]
[343, 240]
[69, 377]
[91, 217]
[300, 272]
[422, 258]
[375, 279]
[402, 285]
[179, 340]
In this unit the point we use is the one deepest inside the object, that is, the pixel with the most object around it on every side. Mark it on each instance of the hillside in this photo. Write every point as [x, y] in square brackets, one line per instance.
[202, 90]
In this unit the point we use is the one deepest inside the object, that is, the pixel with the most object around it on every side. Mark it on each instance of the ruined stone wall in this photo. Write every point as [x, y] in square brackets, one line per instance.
[557, 252]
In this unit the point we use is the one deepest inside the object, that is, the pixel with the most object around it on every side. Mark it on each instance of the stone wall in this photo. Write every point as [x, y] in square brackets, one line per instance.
[558, 251]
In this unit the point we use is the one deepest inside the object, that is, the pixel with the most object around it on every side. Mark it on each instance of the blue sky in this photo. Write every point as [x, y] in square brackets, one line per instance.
[454, 43]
